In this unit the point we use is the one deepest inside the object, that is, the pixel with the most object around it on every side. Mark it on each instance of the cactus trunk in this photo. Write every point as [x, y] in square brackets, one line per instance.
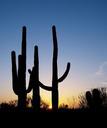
[55, 72]
[36, 91]
[34, 82]
[22, 101]
[55, 80]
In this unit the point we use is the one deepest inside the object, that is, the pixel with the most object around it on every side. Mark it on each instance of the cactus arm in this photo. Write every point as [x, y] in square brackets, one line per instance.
[30, 82]
[14, 73]
[23, 53]
[45, 87]
[36, 57]
[30, 87]
[65, 74]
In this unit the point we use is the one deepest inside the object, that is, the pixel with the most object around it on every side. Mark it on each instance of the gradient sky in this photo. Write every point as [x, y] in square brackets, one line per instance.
[82, 40]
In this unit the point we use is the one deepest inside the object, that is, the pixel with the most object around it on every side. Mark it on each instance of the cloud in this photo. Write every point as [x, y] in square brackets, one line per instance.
[102, 69]
[104, 83]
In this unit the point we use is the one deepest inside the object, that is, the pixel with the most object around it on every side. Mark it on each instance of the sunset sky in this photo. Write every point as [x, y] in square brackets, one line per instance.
[82, 40]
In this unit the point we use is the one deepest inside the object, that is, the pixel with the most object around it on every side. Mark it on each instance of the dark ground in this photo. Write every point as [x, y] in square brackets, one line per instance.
[63, 118]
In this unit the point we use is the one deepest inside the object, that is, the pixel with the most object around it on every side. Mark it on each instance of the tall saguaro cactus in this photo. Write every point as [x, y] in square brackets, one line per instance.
[55, 79]
[19, 75]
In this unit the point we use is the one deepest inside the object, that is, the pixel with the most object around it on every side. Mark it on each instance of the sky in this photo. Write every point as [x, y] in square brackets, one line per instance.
[82, 41]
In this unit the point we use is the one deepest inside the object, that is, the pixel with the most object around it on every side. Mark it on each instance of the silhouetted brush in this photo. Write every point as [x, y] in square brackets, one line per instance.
[19, 75]
[89, 99]
[97, 99]
[94, 99]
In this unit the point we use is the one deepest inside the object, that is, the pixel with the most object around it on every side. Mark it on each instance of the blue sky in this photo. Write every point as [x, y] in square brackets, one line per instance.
[82, 40]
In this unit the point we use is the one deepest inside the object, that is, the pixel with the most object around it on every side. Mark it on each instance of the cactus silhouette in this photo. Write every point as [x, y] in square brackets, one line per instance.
[34, 81]
[34, 78]
[55, 79]
[19, 76]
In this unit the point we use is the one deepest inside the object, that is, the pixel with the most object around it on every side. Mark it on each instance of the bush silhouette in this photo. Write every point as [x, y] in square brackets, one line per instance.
[97, 99]
[94, 99]
[89, 99]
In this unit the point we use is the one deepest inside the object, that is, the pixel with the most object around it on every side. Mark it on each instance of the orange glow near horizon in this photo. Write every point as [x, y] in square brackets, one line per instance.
[67, 94]
[46, 97]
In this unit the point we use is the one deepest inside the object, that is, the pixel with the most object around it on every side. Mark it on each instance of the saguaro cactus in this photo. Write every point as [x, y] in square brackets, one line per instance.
[55, 79]
[19, 75]
[34, 81]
